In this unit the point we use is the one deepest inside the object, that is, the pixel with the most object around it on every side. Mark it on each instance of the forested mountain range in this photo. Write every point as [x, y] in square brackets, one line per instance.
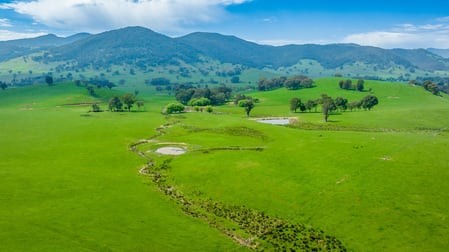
[142, 46]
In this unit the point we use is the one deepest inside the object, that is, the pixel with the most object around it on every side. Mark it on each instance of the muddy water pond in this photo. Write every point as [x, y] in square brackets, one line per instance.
[275, 121]
[171, 151]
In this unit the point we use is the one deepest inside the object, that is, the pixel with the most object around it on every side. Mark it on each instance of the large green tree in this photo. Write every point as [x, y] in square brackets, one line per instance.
[327, 106]
[174, 108]
[129, 100]
[248, 105]
[295, 103]
[360, 85]
[369, 102]
[49, 80]
[115, 104]
[341, 103]
[3, 85]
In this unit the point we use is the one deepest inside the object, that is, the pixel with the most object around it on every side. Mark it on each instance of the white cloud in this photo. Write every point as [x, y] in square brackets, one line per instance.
[4, 22]
[98, 15]
[406, 36]
[9, 35]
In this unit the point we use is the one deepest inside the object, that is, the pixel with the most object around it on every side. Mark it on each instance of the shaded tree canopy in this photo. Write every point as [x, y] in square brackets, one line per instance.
[292, 83]
[49, 80]
[216, 95]
[129, 100]
[369, 102]
[3, 85]
[174, 108]
[248, 104]
[115, 104]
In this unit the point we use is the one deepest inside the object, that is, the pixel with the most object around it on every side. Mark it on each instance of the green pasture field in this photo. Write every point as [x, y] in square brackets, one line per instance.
[376, 180]
[69, 182]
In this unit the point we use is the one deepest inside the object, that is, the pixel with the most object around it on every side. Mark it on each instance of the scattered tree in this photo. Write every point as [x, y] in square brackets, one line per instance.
[128, 99]
[341, 103]
[369, 101]
[96, 108]
[248, 104]
[310, 104]
[91, 90]
[140, 104]
[355, 105]
[174, 108]
[49, 80]
[360, 85]
[431, 87]
[3, 85]
[327, 106]
[115, 104]
[209, 109]
[294, 104]
[235, 79]
[199, 102]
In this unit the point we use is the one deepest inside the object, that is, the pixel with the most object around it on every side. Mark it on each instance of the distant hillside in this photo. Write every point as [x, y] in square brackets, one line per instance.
[234, 50]
[143, 48]
[442, 52]
[230, 49]
[423, 59]
[132, 45]
[20, 47]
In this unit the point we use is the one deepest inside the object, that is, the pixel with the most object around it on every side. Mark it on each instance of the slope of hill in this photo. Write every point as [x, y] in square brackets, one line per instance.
[230, 49]
[132, 45]
[138, 44]
[16, 48]
[423, 59]
[442, 52]
[144, 50]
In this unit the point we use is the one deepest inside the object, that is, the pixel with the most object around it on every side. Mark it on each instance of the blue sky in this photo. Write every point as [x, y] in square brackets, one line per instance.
[387, 24]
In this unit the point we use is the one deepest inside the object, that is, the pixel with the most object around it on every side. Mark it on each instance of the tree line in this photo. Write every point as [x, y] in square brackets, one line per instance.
[348, 85]
[187, 94]
[292, 83]
[430, 86]
[329, 105]
[126, 102]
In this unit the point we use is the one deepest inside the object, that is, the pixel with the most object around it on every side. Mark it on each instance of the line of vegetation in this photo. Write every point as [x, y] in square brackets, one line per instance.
[251, 228]
[292, 83]
[347, 85]
[329, 105]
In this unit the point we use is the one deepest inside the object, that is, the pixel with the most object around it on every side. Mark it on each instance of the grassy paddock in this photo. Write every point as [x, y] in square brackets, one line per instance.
[70, 183]
[376, 180]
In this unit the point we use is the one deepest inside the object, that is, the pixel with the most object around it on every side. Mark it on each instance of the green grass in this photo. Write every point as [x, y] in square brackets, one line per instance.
[70, 183]
[376, 180]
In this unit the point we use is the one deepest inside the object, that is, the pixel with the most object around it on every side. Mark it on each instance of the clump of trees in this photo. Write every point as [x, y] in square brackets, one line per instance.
[329, 105]
[3, 85]
[434, 85]
[431, 87]
[159, 81]
[125, 102]
[96, 108]
[49, 80]
[175, 107]
[292, 83]
[348, 85]
[187, 94]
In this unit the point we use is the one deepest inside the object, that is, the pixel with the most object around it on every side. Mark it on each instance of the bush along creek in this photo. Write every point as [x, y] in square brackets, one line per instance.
[248, 227]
